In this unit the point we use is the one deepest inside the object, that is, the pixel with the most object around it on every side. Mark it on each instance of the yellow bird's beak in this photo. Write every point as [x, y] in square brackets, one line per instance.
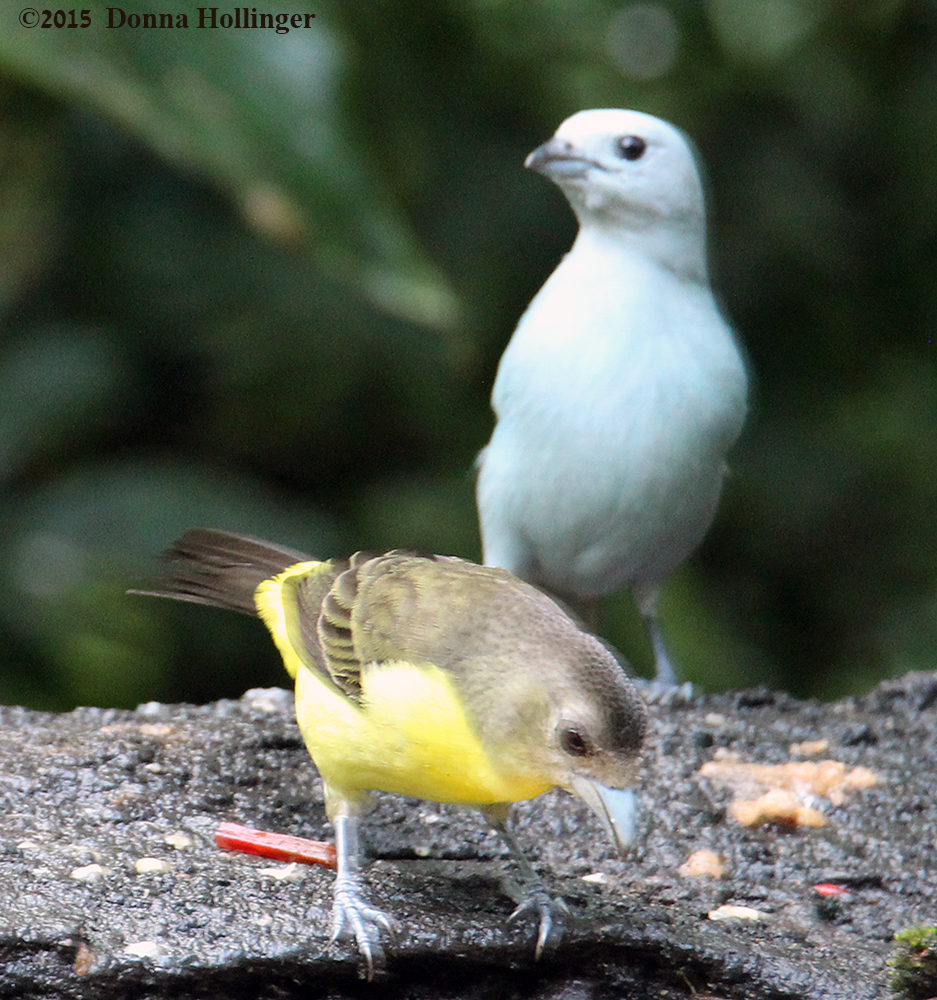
[617, 808]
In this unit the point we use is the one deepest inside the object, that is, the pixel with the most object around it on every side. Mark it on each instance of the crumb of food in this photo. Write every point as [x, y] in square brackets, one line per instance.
[782, 793]
[597, 878]
[158, 729]
[291, 872]
[89, 873]
[778, 807]
[702, 863]
[825, 778]
[84, 959]
[730, 912]
[150, 866]
[809, 748]
[143, 949]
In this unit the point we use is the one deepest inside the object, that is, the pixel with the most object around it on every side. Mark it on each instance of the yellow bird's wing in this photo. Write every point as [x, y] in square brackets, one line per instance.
[338, 617]
[481, 625]
[334, 628]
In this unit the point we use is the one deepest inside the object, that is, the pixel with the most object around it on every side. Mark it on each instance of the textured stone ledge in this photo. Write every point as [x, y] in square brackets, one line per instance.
[107, 788]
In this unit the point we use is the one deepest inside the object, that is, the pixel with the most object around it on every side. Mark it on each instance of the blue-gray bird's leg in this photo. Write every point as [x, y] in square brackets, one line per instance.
[551, 911]
[351, 913]
[664, 670]
[646, 599]
[665, 689]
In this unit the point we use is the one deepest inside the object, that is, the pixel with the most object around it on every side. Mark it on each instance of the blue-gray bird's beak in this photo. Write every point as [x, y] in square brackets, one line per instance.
[558, 158]
[617, 808]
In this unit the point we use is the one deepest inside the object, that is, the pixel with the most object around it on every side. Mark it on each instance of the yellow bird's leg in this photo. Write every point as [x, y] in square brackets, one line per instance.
[551, 911]
[351, 913]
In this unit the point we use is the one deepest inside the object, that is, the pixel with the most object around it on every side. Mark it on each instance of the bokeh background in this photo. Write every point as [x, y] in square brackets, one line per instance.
[262, 281]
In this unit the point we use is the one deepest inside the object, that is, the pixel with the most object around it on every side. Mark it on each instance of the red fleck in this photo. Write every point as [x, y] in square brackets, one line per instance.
[277, 846]
[829, 889]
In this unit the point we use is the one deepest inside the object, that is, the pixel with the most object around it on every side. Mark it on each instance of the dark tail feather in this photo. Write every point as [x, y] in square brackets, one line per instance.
[220, 569]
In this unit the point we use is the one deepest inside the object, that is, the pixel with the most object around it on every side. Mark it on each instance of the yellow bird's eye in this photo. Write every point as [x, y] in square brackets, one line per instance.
[574, 742]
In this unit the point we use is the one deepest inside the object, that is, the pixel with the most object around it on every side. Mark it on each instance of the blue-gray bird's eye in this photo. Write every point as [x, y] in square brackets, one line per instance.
[631, 147]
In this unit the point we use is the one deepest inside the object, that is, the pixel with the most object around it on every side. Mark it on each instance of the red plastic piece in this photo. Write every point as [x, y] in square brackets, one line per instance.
[829, 889]
[277, 846]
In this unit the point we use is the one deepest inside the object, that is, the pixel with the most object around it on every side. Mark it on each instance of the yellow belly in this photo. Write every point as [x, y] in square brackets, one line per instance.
[409, 736]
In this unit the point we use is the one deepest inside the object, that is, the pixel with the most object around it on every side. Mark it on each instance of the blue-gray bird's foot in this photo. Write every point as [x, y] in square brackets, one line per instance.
[353, 917]
[552, 915]
[666, 694]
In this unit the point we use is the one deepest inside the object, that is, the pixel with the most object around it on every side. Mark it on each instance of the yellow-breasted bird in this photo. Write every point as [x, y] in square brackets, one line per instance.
[432, 677]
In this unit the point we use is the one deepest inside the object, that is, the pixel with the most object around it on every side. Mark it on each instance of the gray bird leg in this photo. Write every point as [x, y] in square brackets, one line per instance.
[646, 600]
[664, 671]
[351, 913]
[551, 911]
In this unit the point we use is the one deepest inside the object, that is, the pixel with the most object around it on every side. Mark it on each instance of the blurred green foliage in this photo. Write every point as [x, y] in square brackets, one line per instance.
[262, 281]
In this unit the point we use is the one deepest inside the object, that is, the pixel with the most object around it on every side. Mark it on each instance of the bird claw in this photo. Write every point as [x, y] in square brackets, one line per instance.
[352, 917]
[665, 695]
[552, 914]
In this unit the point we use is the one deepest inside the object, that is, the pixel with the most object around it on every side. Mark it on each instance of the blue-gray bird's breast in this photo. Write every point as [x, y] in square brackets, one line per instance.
[614, 419]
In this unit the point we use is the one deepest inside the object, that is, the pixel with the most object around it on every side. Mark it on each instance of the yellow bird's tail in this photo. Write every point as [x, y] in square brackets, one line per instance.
[222, 569]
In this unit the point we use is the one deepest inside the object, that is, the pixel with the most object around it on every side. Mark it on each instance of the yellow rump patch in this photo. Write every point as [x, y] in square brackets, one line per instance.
[269, 600]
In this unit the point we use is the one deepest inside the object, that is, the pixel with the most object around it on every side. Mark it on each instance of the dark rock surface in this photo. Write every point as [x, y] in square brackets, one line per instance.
[106, 787]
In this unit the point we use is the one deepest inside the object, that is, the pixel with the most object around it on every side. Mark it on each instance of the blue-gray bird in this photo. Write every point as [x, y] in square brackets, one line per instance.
[622, 389]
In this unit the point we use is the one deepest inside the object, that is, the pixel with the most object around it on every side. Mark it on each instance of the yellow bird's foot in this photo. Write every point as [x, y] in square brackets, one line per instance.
[551, 912]
[353, 917]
